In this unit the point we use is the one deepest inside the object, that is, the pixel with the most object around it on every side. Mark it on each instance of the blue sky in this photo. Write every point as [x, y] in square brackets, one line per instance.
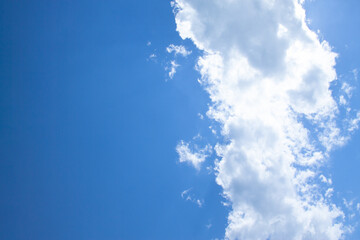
[90, 123]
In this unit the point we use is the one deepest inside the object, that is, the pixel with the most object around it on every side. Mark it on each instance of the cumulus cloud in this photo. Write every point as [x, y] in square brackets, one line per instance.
[196, 157]
[178, 50]
[266, 72]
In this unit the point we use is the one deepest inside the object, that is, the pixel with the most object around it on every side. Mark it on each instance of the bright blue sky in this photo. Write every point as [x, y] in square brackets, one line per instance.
[89, 124]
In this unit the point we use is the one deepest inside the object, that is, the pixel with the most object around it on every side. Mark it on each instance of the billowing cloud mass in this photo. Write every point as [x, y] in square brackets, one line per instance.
[267, 74]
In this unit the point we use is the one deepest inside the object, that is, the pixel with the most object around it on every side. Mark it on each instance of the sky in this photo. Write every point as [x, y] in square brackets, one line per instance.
[186, 119]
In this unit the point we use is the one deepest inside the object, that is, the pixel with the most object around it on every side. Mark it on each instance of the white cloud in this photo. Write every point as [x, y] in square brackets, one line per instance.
[342, 100]
[184, 193]
[195, 158]
[264, 69]
[347, 89]
[173, 65]
[354, 123]
[348, 204]
[178, 50]
[172, 69]
[325, 179]
[356, 73]
[329, 193]
[187, 196]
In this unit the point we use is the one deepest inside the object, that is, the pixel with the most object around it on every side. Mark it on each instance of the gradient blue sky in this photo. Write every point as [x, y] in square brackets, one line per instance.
[89, 124]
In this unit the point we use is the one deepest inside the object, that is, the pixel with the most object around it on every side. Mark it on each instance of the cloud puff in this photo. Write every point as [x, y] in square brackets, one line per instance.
[195, 158]
[325, 179]
[178, 50]
[172, 69]
[265, 71]
[152, 56]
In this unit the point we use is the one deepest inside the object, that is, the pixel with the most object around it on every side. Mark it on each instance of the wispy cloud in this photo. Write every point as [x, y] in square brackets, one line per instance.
[178, 50]
[356, 73]
[265, 70]
[194, 157]
[188, 196]
[152, 57]
[347, 89]
[172, 69]
[354, 123]
[325, 179]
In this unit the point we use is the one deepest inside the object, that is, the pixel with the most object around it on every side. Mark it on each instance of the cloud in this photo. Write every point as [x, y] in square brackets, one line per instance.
[152, 57]
[178, 50]
[325, 180]
[195, 158]
[172, 69]
[329, 192]
[208, 226]
[266, 72]
[348, 203]
[354, 123]
[342, 100]
[186, 194]
[173, 65]
[356, 73]
[347, 89]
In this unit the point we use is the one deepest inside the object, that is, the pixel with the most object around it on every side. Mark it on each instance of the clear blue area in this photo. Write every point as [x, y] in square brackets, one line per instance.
[88, 124]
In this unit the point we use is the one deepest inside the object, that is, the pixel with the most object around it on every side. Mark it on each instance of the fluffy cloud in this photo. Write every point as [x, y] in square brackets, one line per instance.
[266, 72]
